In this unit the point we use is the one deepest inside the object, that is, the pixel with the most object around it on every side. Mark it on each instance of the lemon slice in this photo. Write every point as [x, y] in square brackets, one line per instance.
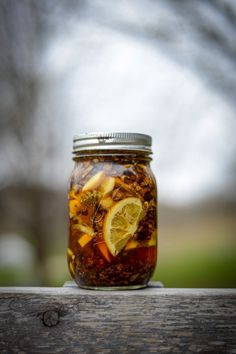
[106, 203]
[73, 207]
[84, 240]
[132, 244]
[101, 182]
[84, 228]
[121, 222]
[94, 181]
[107, 185]
[153, 239]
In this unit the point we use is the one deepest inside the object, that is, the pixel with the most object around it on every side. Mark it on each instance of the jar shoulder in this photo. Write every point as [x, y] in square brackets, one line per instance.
[127, 171]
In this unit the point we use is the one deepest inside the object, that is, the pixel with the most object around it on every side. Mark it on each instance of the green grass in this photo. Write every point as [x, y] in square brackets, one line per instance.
[12, 276]
[212, 270]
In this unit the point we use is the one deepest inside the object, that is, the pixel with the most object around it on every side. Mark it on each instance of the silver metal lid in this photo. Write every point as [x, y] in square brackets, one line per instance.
[112, 141]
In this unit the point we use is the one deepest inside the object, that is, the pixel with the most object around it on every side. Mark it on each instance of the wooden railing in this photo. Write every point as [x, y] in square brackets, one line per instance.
[152, 320]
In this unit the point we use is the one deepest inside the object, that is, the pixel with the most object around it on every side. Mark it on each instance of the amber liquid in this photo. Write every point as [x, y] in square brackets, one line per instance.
[130, 267]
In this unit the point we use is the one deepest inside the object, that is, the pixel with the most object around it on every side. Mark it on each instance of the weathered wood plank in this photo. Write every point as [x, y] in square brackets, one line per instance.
[72, 320]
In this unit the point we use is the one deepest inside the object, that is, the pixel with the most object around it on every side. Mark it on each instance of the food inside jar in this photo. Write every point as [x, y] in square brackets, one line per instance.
[113, 226]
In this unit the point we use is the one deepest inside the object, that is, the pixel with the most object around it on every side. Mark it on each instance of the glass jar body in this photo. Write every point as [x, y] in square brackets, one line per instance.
[113, 221]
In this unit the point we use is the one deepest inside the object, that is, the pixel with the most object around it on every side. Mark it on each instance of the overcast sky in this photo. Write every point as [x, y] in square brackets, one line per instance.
[168, 72]
[112, 81]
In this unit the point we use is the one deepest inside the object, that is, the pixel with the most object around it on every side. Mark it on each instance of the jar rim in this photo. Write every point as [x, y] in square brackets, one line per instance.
[112, 141]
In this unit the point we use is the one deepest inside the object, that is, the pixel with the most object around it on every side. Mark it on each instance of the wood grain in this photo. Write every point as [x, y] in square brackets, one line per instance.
[153, 320]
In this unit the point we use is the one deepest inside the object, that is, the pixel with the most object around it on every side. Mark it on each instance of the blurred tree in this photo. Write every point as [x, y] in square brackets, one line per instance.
[27, 139]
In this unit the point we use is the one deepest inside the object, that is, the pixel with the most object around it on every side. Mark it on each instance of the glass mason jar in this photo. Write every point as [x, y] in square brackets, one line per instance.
[113, 212]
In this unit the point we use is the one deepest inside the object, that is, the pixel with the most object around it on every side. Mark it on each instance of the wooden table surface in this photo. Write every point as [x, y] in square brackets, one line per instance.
[152, 320]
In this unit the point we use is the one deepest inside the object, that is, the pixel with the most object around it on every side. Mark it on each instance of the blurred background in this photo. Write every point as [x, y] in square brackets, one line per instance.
[164, 68]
